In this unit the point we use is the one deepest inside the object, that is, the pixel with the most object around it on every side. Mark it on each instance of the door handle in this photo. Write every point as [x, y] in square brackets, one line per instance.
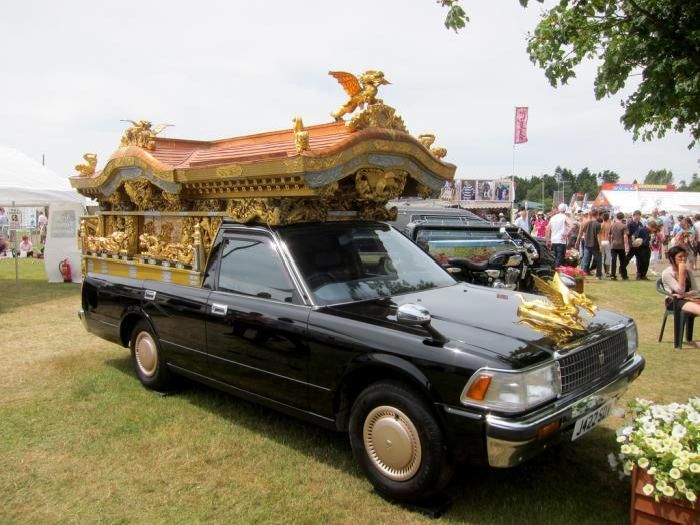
[219, 309]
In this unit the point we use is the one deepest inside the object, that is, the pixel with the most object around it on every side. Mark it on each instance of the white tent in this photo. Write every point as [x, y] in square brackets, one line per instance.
[26, 183]
[674, 202]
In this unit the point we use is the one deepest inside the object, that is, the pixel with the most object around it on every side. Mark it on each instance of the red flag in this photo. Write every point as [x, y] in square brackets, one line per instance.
[520, 125]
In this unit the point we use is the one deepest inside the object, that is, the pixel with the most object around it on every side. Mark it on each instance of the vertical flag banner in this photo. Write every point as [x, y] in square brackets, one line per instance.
[520, 125]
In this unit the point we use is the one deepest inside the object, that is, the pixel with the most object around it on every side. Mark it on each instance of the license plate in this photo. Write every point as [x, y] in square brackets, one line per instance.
[591, 420]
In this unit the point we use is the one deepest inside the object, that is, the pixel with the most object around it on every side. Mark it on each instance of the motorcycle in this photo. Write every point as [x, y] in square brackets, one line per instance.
[502, 270]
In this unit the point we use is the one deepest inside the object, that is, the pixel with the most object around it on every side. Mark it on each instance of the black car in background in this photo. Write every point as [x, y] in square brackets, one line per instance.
[499, 255]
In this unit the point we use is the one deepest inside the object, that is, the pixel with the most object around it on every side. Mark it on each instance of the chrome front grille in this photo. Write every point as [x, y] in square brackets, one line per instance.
[595, 362]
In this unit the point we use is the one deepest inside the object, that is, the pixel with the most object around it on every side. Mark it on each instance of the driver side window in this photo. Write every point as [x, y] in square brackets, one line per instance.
[251, 266]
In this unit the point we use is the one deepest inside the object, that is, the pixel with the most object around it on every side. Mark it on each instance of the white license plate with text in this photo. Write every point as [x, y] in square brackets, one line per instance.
[591, 420]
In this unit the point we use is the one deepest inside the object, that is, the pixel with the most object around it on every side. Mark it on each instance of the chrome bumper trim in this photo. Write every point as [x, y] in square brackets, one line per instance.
[510, 441]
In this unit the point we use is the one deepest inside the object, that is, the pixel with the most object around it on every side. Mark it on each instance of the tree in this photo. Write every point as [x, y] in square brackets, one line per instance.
[659, 177]
[587, 182]
[693, 186]
[608, 176]
[657, 41]
[457, 18]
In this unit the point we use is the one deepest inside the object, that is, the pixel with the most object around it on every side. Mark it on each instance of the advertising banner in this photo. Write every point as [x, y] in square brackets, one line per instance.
[484, 190]
[520, 125]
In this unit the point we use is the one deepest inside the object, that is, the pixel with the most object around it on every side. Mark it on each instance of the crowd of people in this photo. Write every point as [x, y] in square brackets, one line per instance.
[606, 243]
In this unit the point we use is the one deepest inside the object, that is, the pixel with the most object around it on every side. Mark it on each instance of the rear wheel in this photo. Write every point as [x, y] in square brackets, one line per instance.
[148, 360]
[398, 443]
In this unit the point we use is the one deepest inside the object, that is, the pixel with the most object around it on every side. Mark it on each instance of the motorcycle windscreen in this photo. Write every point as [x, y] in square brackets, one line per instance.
[476, 246]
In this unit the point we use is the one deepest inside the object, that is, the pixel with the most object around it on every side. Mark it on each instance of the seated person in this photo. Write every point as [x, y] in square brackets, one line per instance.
[4, 246]
[26, 247]
[679, 281]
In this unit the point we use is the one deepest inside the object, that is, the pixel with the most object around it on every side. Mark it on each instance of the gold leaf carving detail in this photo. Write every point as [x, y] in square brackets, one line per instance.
[234, 170]
[377, 116]
[88, 168]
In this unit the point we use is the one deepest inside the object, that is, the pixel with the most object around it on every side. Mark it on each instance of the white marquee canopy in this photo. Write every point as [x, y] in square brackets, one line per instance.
[24, 183]
[674, 202]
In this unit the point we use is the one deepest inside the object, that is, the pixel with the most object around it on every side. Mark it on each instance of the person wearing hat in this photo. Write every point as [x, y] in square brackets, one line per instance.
[26, 246]
[556, 233]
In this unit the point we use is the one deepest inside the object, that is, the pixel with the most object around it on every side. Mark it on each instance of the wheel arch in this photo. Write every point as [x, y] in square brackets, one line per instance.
[374, 368]
[129, 320]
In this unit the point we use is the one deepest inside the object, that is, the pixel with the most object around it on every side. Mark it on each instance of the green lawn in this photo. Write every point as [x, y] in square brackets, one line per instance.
[81, 441]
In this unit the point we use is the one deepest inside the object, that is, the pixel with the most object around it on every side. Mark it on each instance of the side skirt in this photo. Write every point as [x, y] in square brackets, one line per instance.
[312, 417]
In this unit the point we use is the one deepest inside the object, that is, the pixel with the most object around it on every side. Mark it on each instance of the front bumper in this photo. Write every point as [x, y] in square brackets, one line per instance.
[510, 441]
[507, 441]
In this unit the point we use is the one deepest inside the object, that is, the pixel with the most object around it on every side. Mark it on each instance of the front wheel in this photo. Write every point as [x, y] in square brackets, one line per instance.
[398, 443]
[148, 359]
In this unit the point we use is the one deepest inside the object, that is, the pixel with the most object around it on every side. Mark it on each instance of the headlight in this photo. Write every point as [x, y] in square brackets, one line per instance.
[512, 391]
[631, 339]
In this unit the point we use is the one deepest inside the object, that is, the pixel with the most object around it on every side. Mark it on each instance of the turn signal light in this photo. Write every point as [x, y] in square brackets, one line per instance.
[477, 390]
[549, 429]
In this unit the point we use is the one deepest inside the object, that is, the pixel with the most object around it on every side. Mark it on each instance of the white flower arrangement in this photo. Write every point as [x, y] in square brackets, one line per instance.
[665, 441]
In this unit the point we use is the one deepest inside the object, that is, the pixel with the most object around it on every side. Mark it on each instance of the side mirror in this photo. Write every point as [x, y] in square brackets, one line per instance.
[416, 315]
[413, 315]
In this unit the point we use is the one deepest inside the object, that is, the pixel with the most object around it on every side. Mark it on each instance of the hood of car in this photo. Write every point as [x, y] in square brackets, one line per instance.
[475, 318]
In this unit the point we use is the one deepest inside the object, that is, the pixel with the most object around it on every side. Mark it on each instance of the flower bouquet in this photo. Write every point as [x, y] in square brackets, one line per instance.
[572, 257]
[577, 273]
[663, 440]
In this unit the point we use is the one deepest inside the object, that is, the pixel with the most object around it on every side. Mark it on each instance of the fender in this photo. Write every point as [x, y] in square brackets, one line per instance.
[371, 367]
[132, 314]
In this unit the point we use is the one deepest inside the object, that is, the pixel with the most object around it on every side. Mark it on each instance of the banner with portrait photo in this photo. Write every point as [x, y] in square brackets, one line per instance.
[485, 190]
[468, 192]
[503, 191]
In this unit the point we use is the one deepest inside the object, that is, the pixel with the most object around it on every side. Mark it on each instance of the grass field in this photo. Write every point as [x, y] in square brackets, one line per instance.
[82, 442]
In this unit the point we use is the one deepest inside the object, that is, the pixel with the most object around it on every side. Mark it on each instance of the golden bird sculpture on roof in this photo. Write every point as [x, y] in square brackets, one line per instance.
[362, 90]
[560, 316]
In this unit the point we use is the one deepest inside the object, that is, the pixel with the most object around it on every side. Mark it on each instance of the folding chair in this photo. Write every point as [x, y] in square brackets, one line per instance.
[681, 320]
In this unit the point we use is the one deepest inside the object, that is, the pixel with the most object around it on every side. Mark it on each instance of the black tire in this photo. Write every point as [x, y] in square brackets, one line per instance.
[148, 359]
[418, 467]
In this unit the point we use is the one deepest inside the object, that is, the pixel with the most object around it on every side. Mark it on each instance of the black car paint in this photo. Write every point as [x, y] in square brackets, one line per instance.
[310, 360]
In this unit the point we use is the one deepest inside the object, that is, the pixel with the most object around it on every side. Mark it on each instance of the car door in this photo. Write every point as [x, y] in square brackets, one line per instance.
[256, 321]
[178, 314]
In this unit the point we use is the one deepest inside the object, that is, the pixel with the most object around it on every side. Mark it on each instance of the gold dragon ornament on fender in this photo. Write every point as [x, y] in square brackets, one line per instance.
[559, 317]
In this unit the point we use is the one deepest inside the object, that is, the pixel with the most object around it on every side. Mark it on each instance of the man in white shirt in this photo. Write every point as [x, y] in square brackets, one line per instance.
[522, 222]
[556, 234]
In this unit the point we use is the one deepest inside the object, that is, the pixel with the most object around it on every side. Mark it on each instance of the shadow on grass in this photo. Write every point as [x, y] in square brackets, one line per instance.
[570, 483]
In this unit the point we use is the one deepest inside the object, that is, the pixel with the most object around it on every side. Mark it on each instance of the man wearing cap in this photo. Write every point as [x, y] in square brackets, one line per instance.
[556, 234]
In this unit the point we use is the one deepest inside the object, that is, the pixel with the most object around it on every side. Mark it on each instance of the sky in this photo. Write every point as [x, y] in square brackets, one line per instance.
[71, 70]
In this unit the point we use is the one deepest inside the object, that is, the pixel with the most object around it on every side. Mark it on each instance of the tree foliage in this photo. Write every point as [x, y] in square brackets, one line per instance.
[654, 41]
[693, 186]
[659, 177]
[539, 188]
[657, 41]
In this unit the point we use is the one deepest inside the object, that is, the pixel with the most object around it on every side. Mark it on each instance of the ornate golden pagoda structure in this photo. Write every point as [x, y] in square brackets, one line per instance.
[162, 199]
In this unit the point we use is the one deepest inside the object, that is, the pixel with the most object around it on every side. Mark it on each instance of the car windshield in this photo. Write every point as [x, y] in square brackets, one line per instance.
[345, 262]
[476, 245]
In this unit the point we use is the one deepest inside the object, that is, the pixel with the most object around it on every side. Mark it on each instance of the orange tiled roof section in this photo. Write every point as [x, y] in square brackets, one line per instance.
[179, 153]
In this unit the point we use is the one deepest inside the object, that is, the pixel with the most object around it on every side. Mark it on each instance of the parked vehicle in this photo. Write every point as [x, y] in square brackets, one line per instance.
[485, 253]
[352, 326]
[262, 266]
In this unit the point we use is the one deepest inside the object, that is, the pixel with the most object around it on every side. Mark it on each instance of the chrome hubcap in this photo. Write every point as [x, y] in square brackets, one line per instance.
[392, 443]
[146, 353]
